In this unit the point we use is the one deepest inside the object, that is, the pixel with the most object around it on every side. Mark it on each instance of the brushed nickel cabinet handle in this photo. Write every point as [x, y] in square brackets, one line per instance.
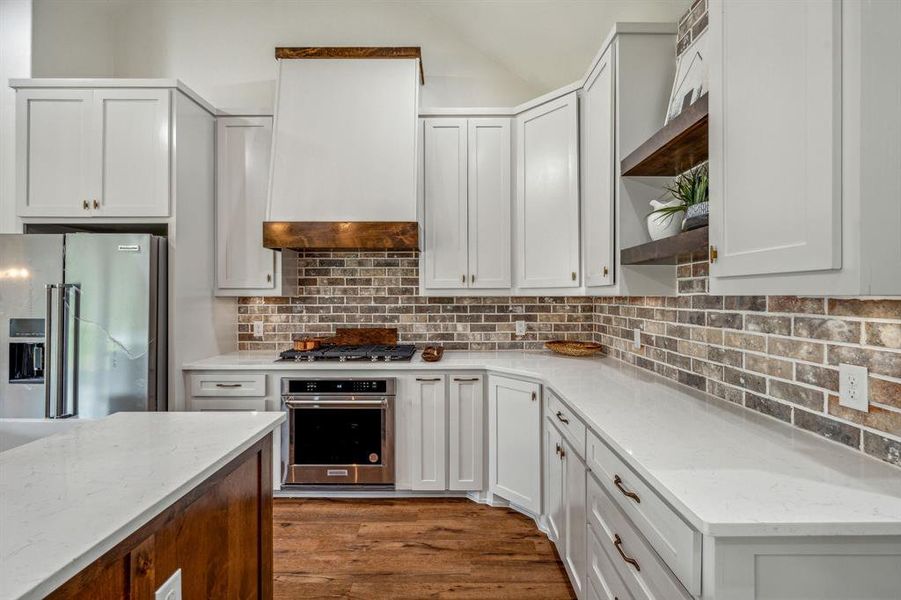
[618, 482]
[228, 385]
[427, 379]
[561, 418]
[618, 543]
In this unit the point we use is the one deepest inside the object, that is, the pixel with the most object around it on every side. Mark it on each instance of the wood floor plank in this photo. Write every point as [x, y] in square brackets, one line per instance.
[411, 548]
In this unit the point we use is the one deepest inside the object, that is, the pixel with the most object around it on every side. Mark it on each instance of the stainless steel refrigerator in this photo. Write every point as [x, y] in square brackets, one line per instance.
[82, 324]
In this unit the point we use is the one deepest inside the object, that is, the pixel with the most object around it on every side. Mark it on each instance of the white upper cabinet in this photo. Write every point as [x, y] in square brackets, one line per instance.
[547, 195]
[598, 174]
[243, 265]
[466, 190]
[489, 203]
[53, 139]
[133, 129]
[93, 152]
[445, 192]
[466, 433]
[428, 434]
[514, 441]
[775, 136]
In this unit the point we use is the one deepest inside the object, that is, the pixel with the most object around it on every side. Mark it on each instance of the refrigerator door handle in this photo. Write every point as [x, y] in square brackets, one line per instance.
[48, 343]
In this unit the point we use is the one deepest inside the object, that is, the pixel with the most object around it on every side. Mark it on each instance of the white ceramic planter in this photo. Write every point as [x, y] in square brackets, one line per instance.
[664, 225]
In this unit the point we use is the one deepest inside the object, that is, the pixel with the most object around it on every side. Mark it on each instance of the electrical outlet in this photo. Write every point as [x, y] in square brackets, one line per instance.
[171, 590]
[258, 329]
[853, 387]
[520, 328]
[636, 338]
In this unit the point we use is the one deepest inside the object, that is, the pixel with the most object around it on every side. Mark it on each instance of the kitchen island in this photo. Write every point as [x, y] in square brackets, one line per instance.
[113, 508]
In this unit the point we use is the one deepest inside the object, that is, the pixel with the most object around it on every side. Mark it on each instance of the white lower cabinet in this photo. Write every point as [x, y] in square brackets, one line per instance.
[553, 485]
[428, 431]
[514, 442]
[466, 433]
[574, 517]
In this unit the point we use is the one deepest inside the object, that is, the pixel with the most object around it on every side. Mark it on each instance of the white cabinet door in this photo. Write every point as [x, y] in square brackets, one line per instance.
[243, 145]
[489, 203]
[598, 172]
[514, 442]
[53, 153]
[132, 152]
[428, 428]
[575, 539]
[775, 136]
[553, 485]
[444, 189]
[547, 195]
[466, 434]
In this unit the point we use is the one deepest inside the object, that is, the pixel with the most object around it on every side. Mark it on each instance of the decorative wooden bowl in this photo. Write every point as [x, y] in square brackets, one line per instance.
[573, 348]
[432, 353]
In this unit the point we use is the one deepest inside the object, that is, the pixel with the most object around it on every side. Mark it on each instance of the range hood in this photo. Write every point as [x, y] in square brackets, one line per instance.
[343, 172]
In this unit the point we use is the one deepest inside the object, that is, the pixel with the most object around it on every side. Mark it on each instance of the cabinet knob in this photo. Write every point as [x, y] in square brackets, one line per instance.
[574, 275]
[269, 278]
[472, 278]
[85, 205]
[605, 271]
[96, 204]
[534, 396]
[463, 278]
[713, 254]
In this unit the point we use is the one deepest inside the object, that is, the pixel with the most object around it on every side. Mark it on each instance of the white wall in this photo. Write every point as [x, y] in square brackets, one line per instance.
[475, 52]
[15, 61]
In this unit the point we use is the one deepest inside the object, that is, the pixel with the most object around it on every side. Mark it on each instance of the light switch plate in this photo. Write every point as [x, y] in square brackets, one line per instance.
[636, 338]
[520, 328]
[853, 387]
[171, 590]
[258, 329]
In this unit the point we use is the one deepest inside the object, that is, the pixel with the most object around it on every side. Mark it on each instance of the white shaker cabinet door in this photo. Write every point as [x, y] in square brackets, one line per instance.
[775, 136]
[132, 151]
[598, 174]
[575, 517]
[547, 195]
[489, 203]
[428, 427]
[553, 485]
[243, 145]
[514, 441]
[466, 433]
[53, 152]
[444, 189]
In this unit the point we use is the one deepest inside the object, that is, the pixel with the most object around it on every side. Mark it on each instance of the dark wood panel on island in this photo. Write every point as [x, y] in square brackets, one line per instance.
[341, 235]
[678, 146]
[219, 534]
[353, 52]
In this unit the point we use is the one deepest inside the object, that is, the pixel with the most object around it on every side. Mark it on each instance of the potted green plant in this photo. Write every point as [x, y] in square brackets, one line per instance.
[690, 193]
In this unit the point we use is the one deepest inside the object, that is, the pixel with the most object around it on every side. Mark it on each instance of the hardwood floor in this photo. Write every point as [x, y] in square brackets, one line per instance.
[411, 549]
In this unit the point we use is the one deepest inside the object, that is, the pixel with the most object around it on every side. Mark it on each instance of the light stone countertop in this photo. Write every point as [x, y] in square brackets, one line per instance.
[67, 499]
[727, 470]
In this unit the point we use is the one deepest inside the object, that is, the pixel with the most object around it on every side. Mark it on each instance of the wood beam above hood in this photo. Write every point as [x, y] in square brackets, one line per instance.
[341, 235]
[353, 52]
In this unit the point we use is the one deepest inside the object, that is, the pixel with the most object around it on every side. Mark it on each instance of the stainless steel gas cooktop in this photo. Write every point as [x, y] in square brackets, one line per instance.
[401, 352]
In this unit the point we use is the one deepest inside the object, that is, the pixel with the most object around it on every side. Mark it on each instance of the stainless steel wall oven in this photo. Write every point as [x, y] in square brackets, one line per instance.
[341, 430]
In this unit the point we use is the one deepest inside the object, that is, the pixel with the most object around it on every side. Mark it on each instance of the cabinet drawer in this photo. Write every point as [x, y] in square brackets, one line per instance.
[219, 384]
[672, 538]
[642, 571]
[566, 421]
[603, 577]
[235, 403]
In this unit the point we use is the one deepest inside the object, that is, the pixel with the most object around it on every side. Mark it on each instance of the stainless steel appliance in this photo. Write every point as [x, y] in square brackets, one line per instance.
[82, 324]
[341, 430]
[344, 353]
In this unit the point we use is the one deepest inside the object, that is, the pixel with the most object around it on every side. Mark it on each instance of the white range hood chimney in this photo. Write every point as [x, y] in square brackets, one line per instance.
[343, 169]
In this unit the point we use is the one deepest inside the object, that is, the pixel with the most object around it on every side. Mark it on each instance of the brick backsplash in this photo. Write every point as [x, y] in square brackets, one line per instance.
[777, 355]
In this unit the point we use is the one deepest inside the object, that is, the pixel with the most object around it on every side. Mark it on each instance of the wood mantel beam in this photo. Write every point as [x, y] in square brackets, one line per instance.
[353, 52]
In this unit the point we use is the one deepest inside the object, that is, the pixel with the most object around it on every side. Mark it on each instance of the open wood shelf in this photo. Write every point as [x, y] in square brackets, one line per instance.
[668, 250]
[680, 145]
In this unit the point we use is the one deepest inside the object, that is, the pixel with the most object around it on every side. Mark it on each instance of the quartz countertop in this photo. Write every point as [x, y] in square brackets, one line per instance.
[727, 470]
[67, 499]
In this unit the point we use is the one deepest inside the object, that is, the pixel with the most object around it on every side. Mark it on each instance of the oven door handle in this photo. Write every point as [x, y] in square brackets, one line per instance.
[335, 403]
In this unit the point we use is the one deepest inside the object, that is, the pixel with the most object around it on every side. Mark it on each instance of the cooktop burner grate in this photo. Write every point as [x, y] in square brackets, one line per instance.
[373, 353]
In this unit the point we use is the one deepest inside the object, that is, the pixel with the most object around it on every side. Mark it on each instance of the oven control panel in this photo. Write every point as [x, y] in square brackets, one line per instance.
[321, 387]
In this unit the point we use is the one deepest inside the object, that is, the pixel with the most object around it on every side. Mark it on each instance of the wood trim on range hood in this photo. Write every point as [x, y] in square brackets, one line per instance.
[341, 235]
[353, 52]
